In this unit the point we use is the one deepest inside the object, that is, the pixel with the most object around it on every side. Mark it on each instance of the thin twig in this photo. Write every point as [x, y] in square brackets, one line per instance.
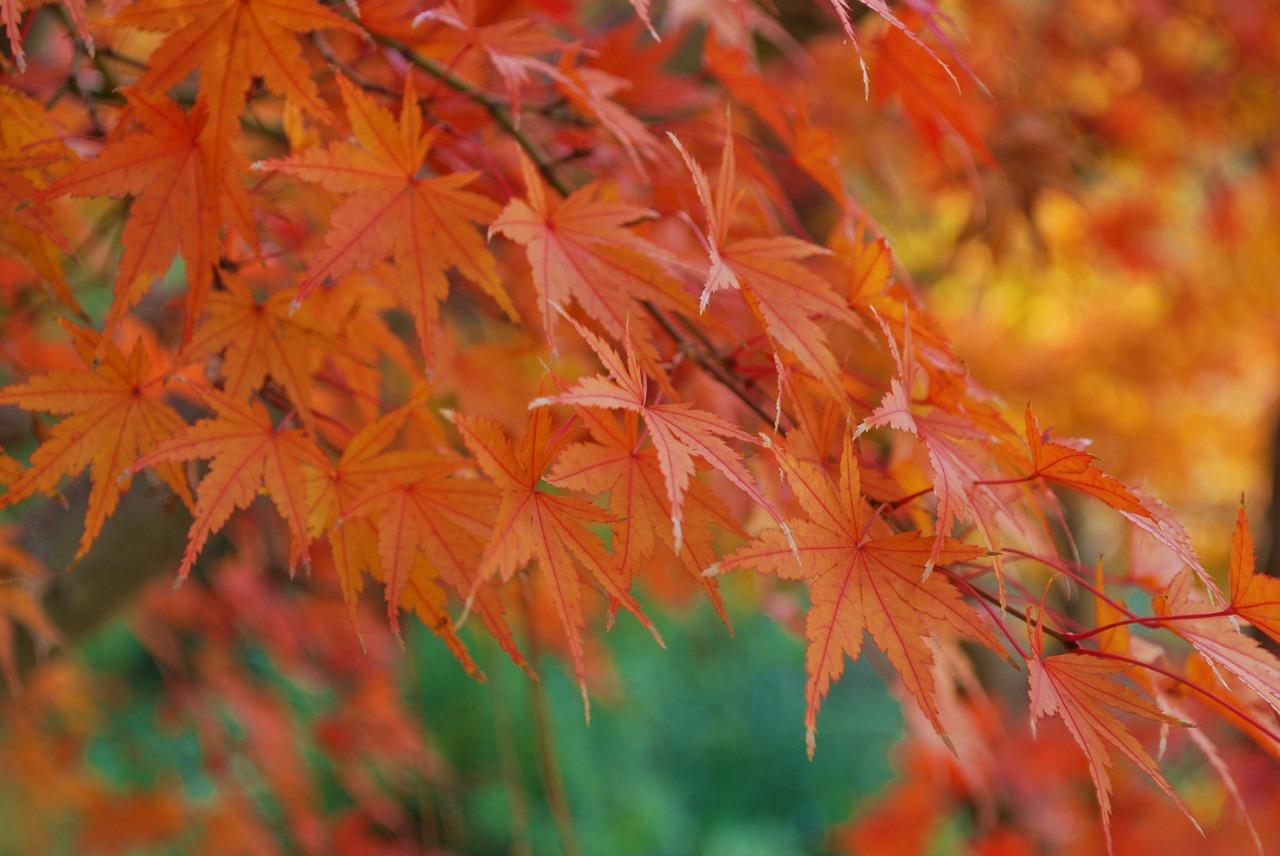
[994, 600]
[493, 106]
[707, 362]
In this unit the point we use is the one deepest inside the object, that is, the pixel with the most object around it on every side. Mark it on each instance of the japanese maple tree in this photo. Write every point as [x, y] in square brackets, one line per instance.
[525, 311]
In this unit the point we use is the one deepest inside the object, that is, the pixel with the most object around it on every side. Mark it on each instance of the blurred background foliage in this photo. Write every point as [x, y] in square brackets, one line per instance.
[164, 746]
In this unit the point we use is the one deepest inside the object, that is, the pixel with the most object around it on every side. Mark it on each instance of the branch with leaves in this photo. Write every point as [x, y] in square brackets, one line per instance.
[477, 313]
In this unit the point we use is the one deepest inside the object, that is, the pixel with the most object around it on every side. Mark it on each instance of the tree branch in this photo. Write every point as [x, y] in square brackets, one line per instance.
[143, 539]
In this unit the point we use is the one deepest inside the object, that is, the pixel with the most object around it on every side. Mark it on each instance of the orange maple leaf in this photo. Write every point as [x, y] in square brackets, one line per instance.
[1254, 598]
[357, 502]
[1081, 689]
[535, 525]
[592, 91]
[425, 597]
[784, 296]
[956, 455]
[1219, 640]
[431, 525]
[580, 248]
[679, 431]
[30, 150]
[927, 9]
[10, 470]
[334, 488]
[16, 201]
[113, 414]
[629, 472]
[1074, 468]
[812, 147]
[28, 229]
[249, 455]
[256, 339]
[392, 209]
[423, 508]
[233, 43]
[178, 198]
[863, 578]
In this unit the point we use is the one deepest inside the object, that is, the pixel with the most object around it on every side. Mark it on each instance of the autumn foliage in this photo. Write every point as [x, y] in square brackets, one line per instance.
[529, 313]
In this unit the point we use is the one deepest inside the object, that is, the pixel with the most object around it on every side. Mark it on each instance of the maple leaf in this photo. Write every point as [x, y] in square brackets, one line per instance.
[784, 295]
[233, 43]
[11, 16]
[113, 413]
[431, 525]
[1254, 598]
[30, 152]
[1219, 640]
[869, 265]
[953, 441]
[178, 197]
[428, 600]
[1081, 689]
[551, 529]
[591, 90]
[10, 470]
[1197, 667]
[256, 339]
[642, 10]
[580, 248]
[248, 455]
[332, 489]
[16, 195]
[392, 209]
[811, 146]
[1115, 639]
[630, 473]
[1160, 524]
[862, 579]
[357, 502]
[1058, 462]
[423, 509]
[1229, 697]
[679, 431]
